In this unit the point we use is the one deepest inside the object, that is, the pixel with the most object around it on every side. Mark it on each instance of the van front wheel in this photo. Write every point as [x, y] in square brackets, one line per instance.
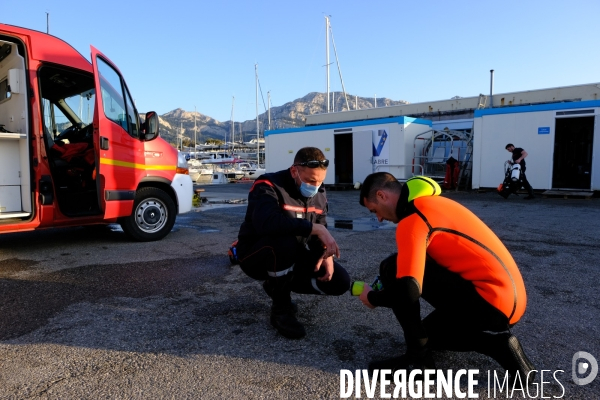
[153, 215]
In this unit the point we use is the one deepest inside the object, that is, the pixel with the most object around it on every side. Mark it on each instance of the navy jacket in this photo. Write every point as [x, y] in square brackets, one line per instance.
[276, 208]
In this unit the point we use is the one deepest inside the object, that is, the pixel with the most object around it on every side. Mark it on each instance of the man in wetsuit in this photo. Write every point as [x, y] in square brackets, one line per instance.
[518, 157]
[451, 259]
[285, 242]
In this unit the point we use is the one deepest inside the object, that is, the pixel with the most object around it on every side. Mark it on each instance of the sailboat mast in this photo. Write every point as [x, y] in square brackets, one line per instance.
[327, 57]
[269, 105]
[337, 61]
[232, 126]
[257, 126]
[195, 148]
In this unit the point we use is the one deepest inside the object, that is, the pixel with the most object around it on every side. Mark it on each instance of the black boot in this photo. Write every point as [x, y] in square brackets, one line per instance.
[268, 288]
[284, 320]
[283, 316]
[518, 361]
[507, 351]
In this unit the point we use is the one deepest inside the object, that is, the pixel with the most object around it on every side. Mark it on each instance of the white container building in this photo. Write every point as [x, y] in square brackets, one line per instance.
[355, 149]
[556, 126]
[558, 137]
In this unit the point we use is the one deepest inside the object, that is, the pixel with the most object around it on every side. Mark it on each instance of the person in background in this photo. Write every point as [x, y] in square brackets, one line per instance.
[450, 258]
[284, 239]
[518, 157]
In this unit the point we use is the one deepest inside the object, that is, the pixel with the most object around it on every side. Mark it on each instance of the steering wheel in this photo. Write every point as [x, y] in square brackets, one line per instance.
[76, 133]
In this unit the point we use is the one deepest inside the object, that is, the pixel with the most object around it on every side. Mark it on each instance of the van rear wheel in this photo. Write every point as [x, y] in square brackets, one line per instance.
[153, 215]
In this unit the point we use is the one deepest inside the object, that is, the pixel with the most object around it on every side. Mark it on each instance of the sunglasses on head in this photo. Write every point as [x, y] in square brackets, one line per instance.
[313, 163]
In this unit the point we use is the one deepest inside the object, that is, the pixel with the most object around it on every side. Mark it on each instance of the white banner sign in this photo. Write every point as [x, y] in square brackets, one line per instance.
[381, 150]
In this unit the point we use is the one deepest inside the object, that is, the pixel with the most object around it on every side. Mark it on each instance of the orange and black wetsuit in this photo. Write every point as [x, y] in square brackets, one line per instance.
[448, 256]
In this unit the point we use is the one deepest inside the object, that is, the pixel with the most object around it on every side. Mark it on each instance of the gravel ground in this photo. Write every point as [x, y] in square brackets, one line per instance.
[87, 314]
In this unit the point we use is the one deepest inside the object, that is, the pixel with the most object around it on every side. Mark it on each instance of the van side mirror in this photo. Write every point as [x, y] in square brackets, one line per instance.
[150, 126]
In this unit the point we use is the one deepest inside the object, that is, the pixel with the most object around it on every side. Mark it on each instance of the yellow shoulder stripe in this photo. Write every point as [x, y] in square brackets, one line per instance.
[117, 163]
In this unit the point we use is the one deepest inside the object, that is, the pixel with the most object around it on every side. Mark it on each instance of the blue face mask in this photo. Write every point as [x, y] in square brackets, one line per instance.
[307, 190]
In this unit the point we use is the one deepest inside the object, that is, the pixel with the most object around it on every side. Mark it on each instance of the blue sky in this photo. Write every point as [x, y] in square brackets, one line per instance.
[201, 53]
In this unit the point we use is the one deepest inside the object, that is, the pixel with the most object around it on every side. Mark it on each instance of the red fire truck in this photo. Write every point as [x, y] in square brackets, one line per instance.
[73, 148]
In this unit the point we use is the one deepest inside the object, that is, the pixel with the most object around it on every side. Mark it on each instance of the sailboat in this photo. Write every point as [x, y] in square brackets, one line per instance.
[251, 170]
[253, 142]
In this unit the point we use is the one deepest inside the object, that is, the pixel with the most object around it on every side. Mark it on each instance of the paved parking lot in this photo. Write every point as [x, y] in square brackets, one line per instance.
[84, 313]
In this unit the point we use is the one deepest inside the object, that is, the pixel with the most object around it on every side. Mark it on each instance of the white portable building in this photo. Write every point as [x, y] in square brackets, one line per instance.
[558, 137]
[355, 149]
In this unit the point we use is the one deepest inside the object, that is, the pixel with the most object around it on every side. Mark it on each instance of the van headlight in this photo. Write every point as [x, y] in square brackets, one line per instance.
[182, 165]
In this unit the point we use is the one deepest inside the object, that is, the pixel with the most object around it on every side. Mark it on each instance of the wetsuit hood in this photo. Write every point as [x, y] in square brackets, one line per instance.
[415, 187]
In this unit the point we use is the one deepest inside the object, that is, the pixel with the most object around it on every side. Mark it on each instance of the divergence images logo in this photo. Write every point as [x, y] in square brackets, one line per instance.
[581, 367]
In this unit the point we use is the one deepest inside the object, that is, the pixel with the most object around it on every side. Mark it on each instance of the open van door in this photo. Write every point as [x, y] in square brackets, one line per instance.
[119, 150]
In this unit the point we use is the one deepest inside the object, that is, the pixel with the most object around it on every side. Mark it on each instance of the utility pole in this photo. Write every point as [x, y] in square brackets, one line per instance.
[491, 88]
[47, 22]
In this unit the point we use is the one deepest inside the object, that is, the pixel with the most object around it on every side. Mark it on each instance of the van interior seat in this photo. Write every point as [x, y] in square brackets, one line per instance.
[52, 156]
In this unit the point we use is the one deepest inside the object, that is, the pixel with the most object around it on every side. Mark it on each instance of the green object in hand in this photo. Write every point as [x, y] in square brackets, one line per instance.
[358, 286]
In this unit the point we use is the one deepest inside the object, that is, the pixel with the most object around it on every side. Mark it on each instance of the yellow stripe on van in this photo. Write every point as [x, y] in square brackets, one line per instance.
[117, 163]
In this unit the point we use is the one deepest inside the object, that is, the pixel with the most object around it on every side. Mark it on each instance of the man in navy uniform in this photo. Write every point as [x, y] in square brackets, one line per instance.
[285, 242]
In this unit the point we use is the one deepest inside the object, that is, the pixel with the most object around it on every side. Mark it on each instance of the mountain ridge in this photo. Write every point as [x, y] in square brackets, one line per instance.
[289, 115]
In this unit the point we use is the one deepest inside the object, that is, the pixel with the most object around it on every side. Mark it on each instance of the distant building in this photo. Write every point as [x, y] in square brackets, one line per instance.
[556, 126]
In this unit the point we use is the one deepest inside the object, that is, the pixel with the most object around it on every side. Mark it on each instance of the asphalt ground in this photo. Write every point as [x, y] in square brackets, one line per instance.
[87, 314]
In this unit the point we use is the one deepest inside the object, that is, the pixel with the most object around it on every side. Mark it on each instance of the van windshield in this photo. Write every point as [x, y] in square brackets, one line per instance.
[68, 99]
[82, 105]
